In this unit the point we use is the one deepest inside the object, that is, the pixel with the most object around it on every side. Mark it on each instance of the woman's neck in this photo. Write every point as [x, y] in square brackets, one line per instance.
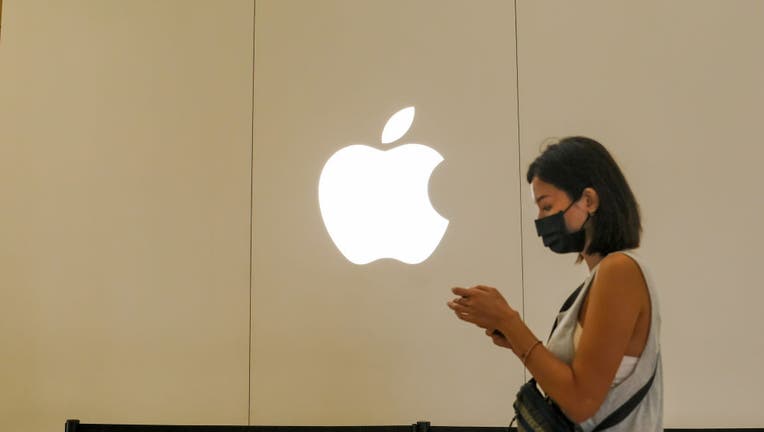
[592, 260]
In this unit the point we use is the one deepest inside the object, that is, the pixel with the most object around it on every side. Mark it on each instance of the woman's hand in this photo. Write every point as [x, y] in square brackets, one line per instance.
[486, 308]
[499, 338]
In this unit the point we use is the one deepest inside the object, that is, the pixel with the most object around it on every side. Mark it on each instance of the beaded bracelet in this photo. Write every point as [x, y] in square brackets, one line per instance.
[524, 357]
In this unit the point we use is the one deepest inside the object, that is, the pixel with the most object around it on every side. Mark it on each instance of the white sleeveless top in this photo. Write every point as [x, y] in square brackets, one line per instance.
[648, 415]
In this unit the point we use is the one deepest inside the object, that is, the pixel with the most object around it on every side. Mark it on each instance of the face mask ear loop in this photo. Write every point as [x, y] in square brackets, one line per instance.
[571, 205]
[588, 215]
[575, 201]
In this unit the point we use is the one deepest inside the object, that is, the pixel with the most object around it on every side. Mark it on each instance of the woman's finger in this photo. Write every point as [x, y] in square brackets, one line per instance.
[457, 307]
[463, 292]
[464, 316]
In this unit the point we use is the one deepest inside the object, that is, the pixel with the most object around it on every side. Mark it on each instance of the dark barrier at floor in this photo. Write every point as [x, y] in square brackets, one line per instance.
[76, 426]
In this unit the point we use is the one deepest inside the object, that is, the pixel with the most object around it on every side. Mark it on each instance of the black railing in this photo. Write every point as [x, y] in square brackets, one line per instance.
[76, 426]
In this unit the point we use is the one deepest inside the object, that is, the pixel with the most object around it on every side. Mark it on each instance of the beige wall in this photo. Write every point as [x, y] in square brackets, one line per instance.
[125, 155]
[674, 89]
[125, 140]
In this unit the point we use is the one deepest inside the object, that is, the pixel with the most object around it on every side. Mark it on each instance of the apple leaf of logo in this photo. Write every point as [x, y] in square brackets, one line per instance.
[398, 125]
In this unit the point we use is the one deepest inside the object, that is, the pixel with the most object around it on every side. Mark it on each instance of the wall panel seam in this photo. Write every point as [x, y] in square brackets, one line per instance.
[251, 218]
[519, 171]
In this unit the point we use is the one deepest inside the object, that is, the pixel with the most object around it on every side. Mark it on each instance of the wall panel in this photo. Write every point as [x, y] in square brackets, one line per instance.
[125, 133]
[338, 343]
[674, 90]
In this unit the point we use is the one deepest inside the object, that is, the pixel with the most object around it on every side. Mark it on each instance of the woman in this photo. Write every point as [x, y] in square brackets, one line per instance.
[604, 347]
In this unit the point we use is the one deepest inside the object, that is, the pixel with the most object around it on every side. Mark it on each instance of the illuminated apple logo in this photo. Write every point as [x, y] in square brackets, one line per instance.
[375, 203]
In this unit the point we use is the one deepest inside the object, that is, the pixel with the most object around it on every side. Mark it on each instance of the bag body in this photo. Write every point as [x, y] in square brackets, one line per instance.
[537, 413]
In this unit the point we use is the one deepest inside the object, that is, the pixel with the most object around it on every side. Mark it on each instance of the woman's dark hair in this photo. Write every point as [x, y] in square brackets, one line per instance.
[575, 163]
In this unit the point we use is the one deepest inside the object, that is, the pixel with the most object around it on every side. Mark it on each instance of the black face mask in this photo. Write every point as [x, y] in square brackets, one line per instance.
[555, 234]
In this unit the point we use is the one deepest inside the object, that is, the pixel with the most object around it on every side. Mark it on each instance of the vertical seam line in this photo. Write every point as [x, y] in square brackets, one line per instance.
[520, 174]
[251, 217]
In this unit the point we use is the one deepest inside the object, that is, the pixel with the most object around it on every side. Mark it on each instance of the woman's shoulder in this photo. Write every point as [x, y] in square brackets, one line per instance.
[622, 271]
[625, 262]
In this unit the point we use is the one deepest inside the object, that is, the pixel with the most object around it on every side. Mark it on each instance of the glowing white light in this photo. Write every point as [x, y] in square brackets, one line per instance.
[375, 203]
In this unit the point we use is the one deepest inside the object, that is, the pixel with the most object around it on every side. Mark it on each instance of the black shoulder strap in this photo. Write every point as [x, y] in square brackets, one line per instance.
[624, 410]
[571, 298]
[565, 306]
